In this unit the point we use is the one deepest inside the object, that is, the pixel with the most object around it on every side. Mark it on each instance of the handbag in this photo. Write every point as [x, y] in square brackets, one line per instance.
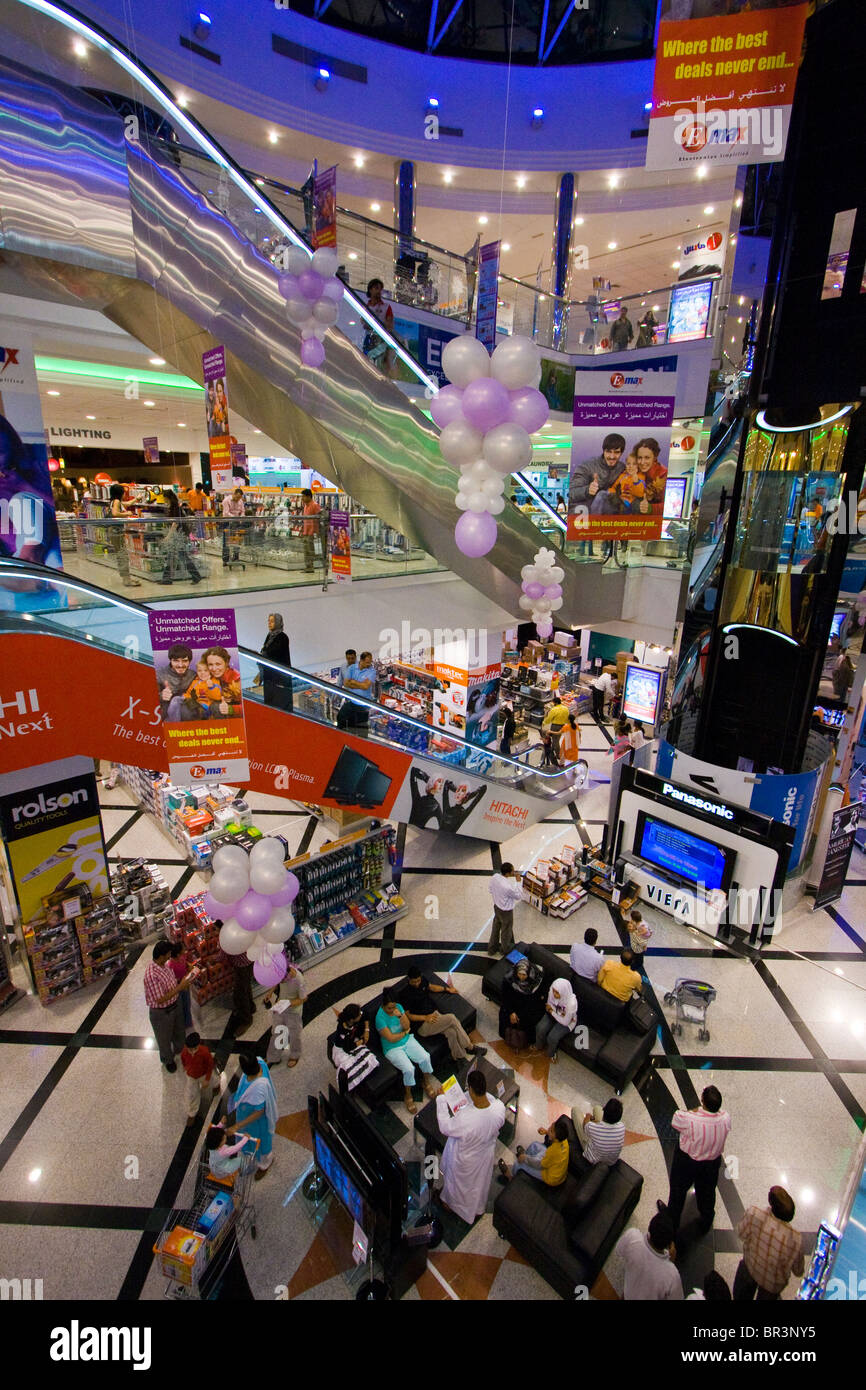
[515, 1038]
[640, 1015]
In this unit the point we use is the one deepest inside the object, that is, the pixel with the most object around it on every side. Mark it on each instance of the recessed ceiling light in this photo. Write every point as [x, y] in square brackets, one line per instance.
[182, 100]
[375, 207]
[53, 393]
[611, 246]
[521, 180]
[613, 180]
[447, 175]
[90, 417]
[181, 424]
[656, 308]
[272, 137]
[359, 161]
[708, 211]
[701, 171]
[79, 48]
[579, 221]
[256, 431]
[148, 402]
[542, 296]
[738, 201]
[482, 221]
[157, 361]
[353, 255]
[675, 265]
[506, 246]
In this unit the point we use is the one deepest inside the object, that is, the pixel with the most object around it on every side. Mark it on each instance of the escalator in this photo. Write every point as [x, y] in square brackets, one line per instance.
[78, 678]
[170, 247]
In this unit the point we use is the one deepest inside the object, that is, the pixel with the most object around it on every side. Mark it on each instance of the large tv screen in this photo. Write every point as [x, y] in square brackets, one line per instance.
[679, 851]
[642, 693]
[689, 312]
[345, 1189]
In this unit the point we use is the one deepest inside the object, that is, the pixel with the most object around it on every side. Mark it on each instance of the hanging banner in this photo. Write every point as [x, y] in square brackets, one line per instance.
[488, 294]
[240, 467]
[217, 412]
[195, 656]
[325, 208]
[702, 256]
[50, 825]
[340, 547]
[723, 88]
[28, 525]
[150, 445]
[842, 833]
[689, 311]
[424, 344]
[619, 454]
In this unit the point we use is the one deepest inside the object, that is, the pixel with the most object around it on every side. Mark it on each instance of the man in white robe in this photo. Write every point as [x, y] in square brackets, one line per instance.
[470, 1151]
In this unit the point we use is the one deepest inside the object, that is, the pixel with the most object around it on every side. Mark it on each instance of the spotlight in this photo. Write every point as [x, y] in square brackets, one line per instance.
[79, 48]
[521, 180]
[432, 103]
[202, 26]
[647, 106]
[323, 77]
[537, 117]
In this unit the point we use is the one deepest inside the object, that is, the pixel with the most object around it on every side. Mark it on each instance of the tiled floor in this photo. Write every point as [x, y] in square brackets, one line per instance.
[90, 1124]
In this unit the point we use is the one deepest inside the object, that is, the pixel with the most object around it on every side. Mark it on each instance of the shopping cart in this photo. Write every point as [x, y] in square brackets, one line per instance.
[198, 1241]
[692, 999]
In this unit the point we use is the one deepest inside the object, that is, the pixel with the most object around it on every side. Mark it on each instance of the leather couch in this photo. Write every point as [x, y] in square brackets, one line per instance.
[615, 1050]
[386, 1083]
[568, 1232]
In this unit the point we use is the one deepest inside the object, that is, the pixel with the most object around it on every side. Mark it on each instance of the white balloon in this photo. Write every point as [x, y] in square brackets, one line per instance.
[465, 359]
[507, 448]
[496, 506]
[298, 261]
[525, 603]
[298, 310]
[280, 927]
[267, 849]
[312, 329]
[228, 886]
[325, 312]
[460, 443]
[556, 604]
[516, 362]
[228, 856]
[478, 503]
[529, 573]
[268, 878]
[256, 948]
[233, 938]
[479, 471]
[462, 500]
[541, 605]
[492, 488]
[326, 261]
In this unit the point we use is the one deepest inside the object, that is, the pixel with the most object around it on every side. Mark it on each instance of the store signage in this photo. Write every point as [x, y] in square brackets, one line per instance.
[843, 832]
[325, 208]
[689, 311]
[150, 444]
[701, 257]
[699, 804]
[340, 533]
[217, 416]
[488, 294]
[69, 432]
[723, 88]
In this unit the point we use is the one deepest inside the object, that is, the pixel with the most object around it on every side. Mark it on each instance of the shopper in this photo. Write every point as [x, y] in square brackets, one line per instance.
[197, 502]
[352, 1027]
[309, 528]
[509, 725]
[118, 536]
[402, 1049]
[601, 1131]
[506, 890]
[361, 676]
[522, 1004]
[276, 688]
[569, 742]
[649, 1273]
[421, 1011]
[697, 1158]
[621, 331]
[199, 1066]
[225, 1148]
[548, 750]
[646, 329]
[287, 1001]
[619, 977]
[560, 1018]
[243, 1006]
[555, 720]
[470, 1148]
[254, 1106]
[175, 545]
[639, 935]
[161, 993]
[843, 675]
[713, 1290]
[561, 507]
[772, 1249]
[548, 1162]
[621, 745]
[375, 346]
[354, 1062]
[636, 737]
[602, 689]
[583, 957]
[232, 508]
[179, 966]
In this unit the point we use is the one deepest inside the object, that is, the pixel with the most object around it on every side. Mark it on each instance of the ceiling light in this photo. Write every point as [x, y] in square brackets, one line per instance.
[506, 246]
[256, 431]
[521, 180]
[359, 161]
[272, 137]
[738, 201]
[353, 255]
[202, 25]
[447, 176]
[613, 180]
[482, 221]
[708, 212]
[675, 265]
[53, 393]
[742, 299]
[157, 361]
[432, 103]
[90, 417]
[647, 106]
[701, 171]
[375, 207]
[611, 246]
[579, 221]
[260, 182]
[79, 48]
[182, 100]
[537, 116]
[542, 296]
[148, 402]
[733, 241]
[656, 308]
[323, 77]
[181, 424]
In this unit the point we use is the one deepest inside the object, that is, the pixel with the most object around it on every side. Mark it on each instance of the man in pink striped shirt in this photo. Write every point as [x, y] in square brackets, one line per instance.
[698, 1157]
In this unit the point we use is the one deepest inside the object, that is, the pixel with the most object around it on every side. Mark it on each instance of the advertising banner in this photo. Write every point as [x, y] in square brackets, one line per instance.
[425, 343]
[28, 525]
[842, 833]
[619, 454]
[702, 256]
[217, 413]
[488, 294]
[462, 804]
[325, 208]
[689, 311]
[340, 547]
[195, 656]
[150, 445]
[49, 822]
[723, 88]
[240, 467]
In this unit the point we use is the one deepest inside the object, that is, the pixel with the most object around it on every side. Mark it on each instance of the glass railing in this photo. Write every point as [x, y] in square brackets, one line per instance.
[35, 599]
[159, 556]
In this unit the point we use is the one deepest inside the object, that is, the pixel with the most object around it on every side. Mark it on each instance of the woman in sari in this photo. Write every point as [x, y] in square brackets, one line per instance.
[254, 1106]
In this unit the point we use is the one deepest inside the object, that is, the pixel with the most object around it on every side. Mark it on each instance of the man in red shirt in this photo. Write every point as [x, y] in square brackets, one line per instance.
[309, 528]
[197, 1061]
[162, 995]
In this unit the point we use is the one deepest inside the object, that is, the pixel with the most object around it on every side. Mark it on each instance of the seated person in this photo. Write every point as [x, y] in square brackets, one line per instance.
[402, 1049]
[548, 1162]
[559, 1019]
[352, 1028]
[225, 1157]
[629, 488]
[522, 999]
[422, 1012]
[585, 960]
[354, 1060]
[601, 1132]
[618, 977]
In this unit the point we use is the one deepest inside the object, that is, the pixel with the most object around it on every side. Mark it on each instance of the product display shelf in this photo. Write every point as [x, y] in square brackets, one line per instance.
[554, 886]
[307, 962]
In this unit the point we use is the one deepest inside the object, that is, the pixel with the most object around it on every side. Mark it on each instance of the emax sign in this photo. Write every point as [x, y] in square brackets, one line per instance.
[699, 804]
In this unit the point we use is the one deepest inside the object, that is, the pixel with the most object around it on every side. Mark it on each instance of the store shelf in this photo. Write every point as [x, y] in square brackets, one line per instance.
[307, 962]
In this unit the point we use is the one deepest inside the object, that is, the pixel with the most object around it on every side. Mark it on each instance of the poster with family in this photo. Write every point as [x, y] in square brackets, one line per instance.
[217, 413]
[198, 678]
[619, 454]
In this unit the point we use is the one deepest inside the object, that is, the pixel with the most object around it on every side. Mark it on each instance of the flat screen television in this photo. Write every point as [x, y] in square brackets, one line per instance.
[679, 851]
[675, 498]
[382, 1158]
[642, 693]
[689, 312]
[357, 780]
[347, 1192]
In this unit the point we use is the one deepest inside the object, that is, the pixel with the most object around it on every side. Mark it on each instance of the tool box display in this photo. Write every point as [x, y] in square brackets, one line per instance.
[77, 939]
[145, 902]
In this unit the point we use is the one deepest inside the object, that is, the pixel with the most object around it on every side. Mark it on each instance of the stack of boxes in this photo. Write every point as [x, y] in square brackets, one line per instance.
[199, 935]
[146, 899]
[78, 939]
[553, 884]
[200, 817]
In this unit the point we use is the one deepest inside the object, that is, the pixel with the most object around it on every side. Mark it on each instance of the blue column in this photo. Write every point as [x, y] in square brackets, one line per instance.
[563, 226]
[404, 205]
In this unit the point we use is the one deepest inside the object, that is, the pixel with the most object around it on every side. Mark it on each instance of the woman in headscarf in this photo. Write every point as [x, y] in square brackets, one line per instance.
[560, 1018]
[522, 1002]
[276, 688]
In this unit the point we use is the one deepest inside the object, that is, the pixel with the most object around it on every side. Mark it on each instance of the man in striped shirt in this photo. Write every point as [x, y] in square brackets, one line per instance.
[698, 1157]
[602, 1133]
[162, 995]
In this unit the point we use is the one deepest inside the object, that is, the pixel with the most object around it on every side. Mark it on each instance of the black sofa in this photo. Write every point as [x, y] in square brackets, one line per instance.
[568, 1232]
[615, 1050]
[386, 1083]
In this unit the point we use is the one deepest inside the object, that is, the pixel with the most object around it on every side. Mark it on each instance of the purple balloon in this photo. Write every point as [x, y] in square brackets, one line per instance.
[287, 894]
[475, 533]
[312, 352]
[528, 408]
[550, 591]
[534, 590]
[333, 290]
[485, 403]
[221, 912]
[446, 406]
[544, 630]
[270, 972]
[311, 284]
[288, 285]
[253, 911]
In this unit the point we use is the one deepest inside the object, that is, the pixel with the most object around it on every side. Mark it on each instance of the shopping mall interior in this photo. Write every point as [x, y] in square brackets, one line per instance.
[433, 542]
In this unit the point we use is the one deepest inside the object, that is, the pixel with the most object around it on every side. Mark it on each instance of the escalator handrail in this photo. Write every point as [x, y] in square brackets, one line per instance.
[24, 570]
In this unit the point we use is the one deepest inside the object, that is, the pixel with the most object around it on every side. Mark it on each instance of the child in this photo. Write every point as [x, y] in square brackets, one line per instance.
[205, 689]
[549, 758]
[197, 1061]
[225, 1158]
[629, 486]
[639, 933]
[178, 966]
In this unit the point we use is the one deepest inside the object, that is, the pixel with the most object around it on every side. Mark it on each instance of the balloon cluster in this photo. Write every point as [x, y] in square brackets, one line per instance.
[542, 591]
[486, 417]
[251, 893]
[313, 294]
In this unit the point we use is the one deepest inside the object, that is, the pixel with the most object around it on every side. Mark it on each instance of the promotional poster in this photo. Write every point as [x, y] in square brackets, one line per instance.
[150, 445]
[689, 311]
[325, 208]
[195, 656]
[723, 88]
[340, 547]
[217, 412]
[28, 525]
[619, 456]
[488, 295]
[52, 832]
[842, 835]
[425, 343]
